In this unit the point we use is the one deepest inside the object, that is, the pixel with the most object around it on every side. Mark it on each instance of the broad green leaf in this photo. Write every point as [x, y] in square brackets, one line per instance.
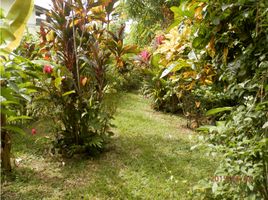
[7, 111]
[266, 88]
[7, 94]
[198, 43]
[155, 60]
[6, 36]
[220, 123]
[58, 82]
[14, 87]
[207, 128]
[14, 129]
[177, 12]
[42, 62]
[168, 70]
[265, 125]
[26, 84]
[17, 17]
[176, 66]
[182, 11]
[5, 103]
[30, 91]
[218, 110]
[174, 24]
[2, 70]
[2, 14]
[67, 93]
[26, 97]
[15, 118]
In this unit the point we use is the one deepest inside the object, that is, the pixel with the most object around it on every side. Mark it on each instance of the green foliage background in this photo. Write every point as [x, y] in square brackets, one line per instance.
[221, 61]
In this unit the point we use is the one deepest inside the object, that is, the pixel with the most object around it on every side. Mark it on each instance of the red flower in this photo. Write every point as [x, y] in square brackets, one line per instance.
[145, 55]
[33, 131]
[47, 69]
[159, 39]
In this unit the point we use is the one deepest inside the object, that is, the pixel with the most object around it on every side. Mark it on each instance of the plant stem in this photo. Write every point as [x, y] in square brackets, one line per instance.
[75, 52]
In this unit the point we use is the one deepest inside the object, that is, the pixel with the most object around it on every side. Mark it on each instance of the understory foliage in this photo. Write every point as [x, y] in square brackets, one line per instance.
[14, 91]
[238, 46]
[178, 80]
[212, 64]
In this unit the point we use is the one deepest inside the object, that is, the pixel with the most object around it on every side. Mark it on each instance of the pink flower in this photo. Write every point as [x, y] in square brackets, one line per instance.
[159, 39]
[33, 131]
[47, 69]
[145, 55]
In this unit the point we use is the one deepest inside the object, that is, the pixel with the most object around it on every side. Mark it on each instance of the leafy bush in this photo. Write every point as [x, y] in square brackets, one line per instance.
[14, 88]
[237, 47]
[242, 140]
[126, 76]
[76, 78]
[214, 56]
[29, 47]
[162, 92]
[175, 73]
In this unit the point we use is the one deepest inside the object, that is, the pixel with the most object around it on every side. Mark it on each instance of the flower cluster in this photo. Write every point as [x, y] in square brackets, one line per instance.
[33, 131]
[159, 39]
[145, 55]
[47, 69]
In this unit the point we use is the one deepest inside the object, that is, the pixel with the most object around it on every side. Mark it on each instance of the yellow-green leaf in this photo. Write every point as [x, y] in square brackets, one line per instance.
[67, 93]
[58, 82]
[15, 118]
[14, 129]
[218, 110]
[17, 18]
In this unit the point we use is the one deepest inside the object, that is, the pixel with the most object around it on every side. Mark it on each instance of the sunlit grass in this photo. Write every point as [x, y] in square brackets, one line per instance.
[148, 158]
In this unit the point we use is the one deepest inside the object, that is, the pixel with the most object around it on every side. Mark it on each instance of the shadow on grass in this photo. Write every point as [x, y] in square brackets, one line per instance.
[147, 159]
[26, 183]
[137, 168]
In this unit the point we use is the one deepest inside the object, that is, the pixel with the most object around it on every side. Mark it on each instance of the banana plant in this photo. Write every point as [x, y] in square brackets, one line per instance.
[14, 90]
[13, 25]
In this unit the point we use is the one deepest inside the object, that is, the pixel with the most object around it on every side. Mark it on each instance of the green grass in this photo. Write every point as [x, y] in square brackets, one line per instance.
[148, 158]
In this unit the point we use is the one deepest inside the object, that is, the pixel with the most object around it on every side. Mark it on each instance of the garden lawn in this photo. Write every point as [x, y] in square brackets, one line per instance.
[149, 157]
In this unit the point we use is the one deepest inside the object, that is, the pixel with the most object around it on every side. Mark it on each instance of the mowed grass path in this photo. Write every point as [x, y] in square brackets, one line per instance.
[148, 158]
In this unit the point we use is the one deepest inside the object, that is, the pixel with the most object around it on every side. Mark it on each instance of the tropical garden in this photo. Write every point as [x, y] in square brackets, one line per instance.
[135, 99]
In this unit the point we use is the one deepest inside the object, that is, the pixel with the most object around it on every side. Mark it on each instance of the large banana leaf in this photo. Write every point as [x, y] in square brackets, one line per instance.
[15, 22]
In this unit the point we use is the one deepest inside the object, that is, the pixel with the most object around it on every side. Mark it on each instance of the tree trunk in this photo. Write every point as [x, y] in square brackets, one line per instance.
[5, 147]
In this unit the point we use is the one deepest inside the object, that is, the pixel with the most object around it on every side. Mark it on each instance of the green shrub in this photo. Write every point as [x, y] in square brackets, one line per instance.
[77, 77]
[15, 90]
[163, 94]
[242, 141]
[235, 40]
